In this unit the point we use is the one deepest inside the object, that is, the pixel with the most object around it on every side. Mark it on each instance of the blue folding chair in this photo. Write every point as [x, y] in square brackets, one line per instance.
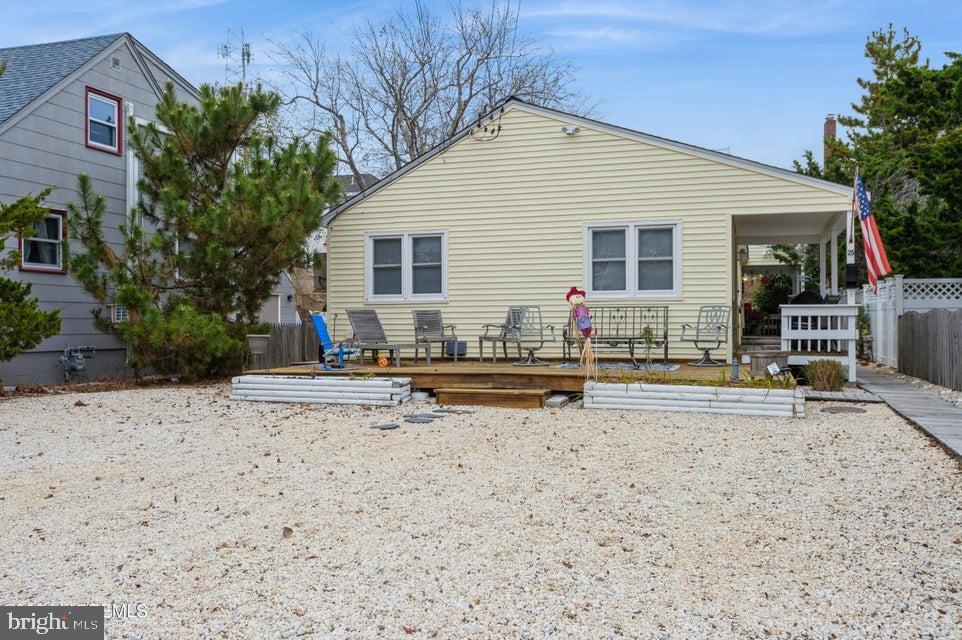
[326, 349]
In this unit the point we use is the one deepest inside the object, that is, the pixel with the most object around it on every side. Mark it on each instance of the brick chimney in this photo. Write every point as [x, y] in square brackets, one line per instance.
[828, 134]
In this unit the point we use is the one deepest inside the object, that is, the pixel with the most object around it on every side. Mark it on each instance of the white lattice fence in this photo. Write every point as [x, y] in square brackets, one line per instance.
[923, 295]
[895, 296]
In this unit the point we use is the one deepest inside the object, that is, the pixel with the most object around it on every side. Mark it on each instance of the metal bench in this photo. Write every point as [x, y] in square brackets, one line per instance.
[619, 327]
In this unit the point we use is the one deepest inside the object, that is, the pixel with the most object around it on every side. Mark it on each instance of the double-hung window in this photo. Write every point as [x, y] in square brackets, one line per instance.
[104, 121]
[633, 260]
[43, 251]
[406, 266]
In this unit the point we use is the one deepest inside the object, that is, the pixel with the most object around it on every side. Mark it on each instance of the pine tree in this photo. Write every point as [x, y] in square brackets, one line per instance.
[905, 136]
[224, 209]
[23, 324]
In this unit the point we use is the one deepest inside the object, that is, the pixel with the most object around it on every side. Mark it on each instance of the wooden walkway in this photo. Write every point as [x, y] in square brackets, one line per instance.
[938, 418]
[849, 395]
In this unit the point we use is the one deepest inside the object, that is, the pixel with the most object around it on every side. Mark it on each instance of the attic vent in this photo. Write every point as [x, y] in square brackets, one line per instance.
[115, 64]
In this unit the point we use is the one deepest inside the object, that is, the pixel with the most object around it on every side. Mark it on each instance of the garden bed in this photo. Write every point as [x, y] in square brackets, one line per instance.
[385, 392]
[737, 400]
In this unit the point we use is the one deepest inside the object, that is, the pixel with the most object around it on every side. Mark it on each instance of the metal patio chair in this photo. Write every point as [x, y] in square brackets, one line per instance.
[498, 332]
[711, 332]
[369, 336]
[429, 328]
[530, 335]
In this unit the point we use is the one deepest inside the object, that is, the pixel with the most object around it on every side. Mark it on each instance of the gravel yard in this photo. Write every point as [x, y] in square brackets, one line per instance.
[249, 520]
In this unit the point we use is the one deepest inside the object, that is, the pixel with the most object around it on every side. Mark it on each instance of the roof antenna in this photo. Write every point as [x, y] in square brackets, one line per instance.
[236, 52]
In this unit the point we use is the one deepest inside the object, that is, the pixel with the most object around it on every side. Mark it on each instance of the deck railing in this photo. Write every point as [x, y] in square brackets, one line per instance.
[820, 331]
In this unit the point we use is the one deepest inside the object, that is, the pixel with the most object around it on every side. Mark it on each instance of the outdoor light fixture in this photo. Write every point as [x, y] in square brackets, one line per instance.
[570, 131]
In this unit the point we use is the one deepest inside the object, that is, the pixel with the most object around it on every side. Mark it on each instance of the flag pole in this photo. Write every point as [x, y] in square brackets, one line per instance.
[851, 271]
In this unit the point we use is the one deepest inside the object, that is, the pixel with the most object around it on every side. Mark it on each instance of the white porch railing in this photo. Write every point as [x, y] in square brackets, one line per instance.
[820, 331]
[896, 295]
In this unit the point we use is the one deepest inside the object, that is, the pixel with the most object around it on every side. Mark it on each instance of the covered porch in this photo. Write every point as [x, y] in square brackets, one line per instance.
[822, 328]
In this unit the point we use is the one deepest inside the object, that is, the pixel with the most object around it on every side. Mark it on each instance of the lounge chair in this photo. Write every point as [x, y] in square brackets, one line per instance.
[429, 328]
[711, 332]
[327, 353]
[369, 336]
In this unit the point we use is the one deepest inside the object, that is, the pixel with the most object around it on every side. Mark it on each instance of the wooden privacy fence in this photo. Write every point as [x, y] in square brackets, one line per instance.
[289, 343]
[930, 346]
[897, 295]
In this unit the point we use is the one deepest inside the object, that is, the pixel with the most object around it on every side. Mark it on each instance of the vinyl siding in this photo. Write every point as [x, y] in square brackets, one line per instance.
[47, 148]
[515, 210]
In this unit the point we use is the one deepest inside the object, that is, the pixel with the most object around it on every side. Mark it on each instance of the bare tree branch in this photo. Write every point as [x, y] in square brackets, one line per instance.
[409, 81]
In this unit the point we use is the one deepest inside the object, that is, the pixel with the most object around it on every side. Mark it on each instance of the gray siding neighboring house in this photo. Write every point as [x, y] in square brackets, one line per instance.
[44, 100]
[280, 306]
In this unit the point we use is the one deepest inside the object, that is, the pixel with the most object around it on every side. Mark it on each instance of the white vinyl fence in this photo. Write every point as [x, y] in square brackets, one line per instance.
[897, 295]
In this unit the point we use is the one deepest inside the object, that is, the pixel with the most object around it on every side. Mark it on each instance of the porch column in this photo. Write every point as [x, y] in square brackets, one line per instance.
[834, 256]
[849, 258]
[821, 266]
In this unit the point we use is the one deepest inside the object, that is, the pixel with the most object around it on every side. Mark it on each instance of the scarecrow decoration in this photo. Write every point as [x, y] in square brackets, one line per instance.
[582, 322]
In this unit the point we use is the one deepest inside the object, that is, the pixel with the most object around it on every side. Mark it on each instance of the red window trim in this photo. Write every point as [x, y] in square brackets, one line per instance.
[119, 151]
[63, 262]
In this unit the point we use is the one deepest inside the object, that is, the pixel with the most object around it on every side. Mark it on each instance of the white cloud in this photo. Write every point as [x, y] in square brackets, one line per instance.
[605, 36]
[731, 16]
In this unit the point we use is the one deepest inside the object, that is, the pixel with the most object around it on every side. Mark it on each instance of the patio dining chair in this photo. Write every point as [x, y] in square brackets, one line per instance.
[369, 336]
[429, 328]
[710, 333]
[498, 332]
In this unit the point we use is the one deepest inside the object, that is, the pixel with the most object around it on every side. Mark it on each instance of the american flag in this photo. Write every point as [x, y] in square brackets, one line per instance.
[875, 259]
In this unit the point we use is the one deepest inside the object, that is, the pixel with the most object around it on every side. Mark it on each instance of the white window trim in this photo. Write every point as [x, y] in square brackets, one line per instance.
[116, 125]
[118, 313]
[133, 160]
[58, 243]
[406, 267]
[631, 261]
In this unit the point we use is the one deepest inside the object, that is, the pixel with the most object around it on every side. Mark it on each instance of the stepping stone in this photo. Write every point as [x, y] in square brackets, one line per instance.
[386, 427]
[556, 401]
[843, 410]
[419, 420]
[429, 416]
[446, 410]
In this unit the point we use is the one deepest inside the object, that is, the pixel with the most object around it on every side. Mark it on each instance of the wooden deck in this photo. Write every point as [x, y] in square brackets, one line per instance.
[477, 375]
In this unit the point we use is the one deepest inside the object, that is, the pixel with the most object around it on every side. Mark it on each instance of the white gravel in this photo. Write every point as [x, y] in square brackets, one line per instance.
[505, 523]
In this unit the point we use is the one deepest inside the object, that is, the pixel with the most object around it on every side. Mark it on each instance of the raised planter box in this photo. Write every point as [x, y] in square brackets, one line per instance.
[689, 398]
[384, 392]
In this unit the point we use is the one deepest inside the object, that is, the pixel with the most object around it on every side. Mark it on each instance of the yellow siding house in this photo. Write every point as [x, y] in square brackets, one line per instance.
[552, 200]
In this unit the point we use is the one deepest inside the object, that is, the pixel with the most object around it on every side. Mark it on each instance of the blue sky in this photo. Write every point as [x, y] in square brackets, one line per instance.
[753, 78]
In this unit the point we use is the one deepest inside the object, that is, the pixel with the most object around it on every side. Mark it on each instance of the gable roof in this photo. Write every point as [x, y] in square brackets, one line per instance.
[665, 143]
[34, 69]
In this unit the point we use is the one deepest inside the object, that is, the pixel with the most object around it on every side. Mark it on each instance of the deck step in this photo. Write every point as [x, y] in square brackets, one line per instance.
[506, 398]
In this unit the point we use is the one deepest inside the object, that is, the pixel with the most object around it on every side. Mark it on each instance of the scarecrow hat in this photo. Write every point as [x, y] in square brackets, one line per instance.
[574, 291]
